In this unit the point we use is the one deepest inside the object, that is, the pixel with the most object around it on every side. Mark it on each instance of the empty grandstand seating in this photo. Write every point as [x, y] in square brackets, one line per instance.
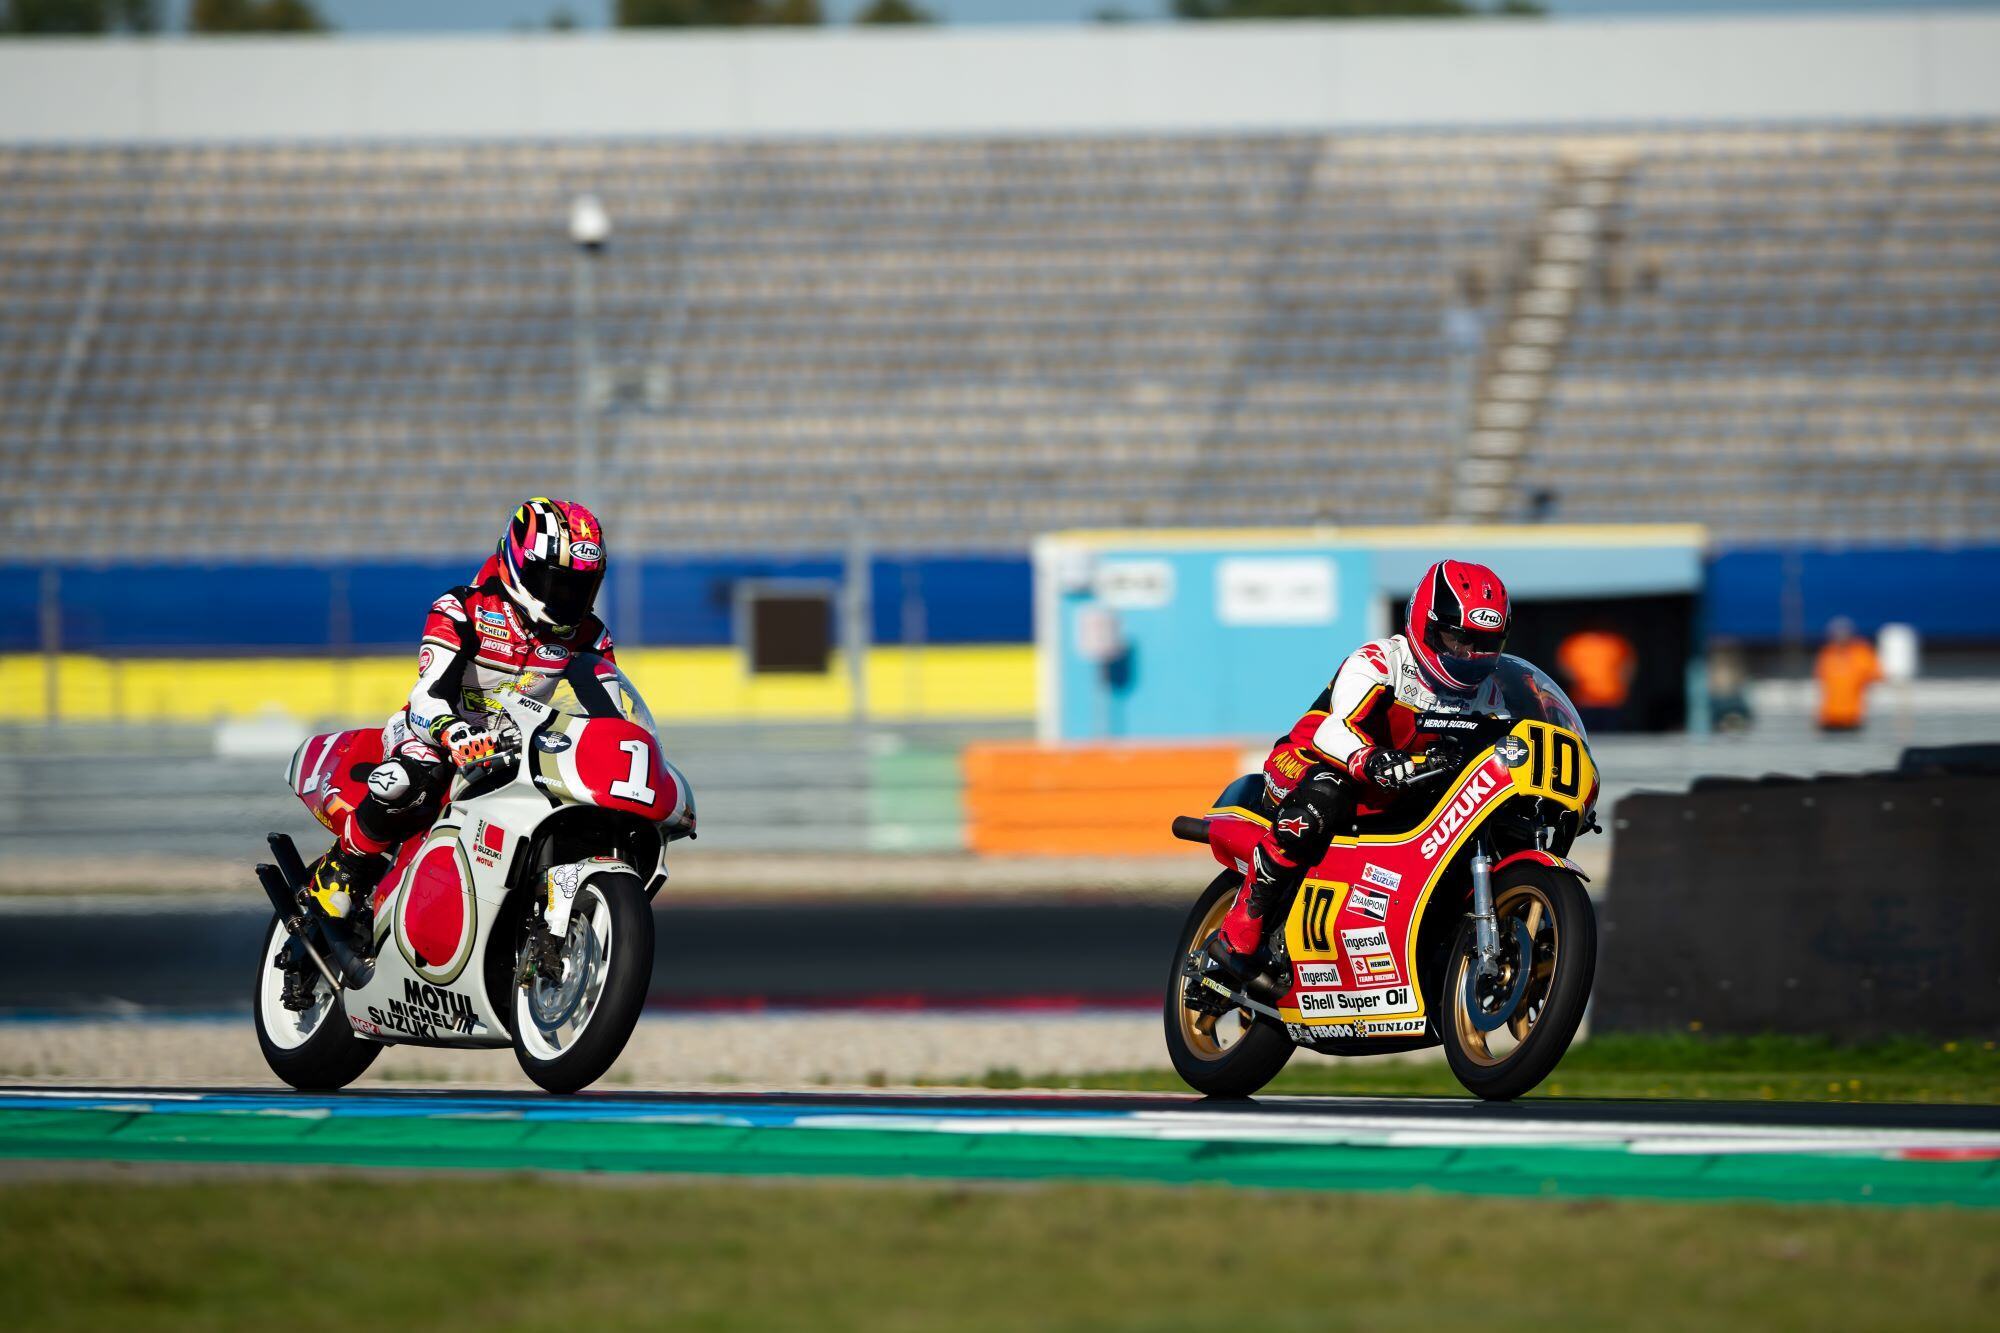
[1792, 335]
[956, 343]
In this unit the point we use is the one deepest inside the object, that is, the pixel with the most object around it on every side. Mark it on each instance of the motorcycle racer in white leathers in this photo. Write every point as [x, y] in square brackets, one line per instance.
[1358, 746]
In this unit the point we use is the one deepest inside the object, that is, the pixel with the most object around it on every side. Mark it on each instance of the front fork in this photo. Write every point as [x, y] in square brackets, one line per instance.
[1485, 929]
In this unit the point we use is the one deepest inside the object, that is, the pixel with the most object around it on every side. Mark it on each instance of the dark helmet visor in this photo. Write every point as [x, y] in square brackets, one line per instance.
[568, 594]
[1468, 655]
[1457, 642]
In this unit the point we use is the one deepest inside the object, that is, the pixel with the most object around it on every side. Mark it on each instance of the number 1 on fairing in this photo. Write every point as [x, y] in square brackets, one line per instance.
[634, 786]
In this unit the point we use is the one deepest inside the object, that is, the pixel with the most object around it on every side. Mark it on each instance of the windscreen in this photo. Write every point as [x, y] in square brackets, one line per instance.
[591, 686]
[1530, 693]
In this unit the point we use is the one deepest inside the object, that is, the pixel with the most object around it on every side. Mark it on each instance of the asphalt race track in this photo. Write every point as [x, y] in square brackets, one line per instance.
[161, 955]
[1667, 1150]
[194, 957]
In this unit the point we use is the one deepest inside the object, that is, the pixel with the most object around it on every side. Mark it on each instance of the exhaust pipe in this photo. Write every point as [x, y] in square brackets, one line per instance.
[286, 903]
[289, 864]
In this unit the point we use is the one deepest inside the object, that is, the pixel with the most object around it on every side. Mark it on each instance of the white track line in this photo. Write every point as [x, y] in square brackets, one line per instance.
[1408, 1132]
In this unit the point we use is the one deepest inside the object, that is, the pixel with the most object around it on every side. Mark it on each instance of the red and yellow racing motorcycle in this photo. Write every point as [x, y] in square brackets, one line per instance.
[1455, 917]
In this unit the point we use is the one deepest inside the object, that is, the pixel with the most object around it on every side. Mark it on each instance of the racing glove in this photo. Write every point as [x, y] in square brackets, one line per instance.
[1390, 770]
[1446, 753]
[469, 744]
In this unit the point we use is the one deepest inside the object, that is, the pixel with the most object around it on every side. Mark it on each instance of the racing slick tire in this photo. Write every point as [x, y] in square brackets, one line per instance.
[1237, 1062]
[567, 1033]
[314, 1051]
[1549, 907]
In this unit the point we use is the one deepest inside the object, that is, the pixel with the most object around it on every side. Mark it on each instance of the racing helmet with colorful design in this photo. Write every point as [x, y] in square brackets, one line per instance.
[552, 562]
[1457, 626]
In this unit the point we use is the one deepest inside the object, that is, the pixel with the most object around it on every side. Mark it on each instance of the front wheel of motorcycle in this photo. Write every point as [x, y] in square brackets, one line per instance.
[1504, 1032]
[1233, 1054]
[571, 1022]
[314, 1051]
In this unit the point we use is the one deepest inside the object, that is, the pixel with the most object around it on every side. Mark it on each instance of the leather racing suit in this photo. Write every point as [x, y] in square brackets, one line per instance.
[1340, 759]
[476, 646]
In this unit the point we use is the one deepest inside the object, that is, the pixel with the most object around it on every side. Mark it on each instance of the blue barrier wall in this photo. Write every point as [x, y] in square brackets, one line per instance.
[690, 602]
[679, 602]
[1948, 595]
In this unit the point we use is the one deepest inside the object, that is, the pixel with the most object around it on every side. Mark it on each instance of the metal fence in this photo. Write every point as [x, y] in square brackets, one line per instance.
[165, 792]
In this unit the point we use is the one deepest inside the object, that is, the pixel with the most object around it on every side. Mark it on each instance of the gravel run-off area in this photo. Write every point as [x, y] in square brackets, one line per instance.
[780, 1049]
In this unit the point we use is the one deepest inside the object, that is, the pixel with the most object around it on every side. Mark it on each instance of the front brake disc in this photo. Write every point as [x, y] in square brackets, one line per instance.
[1493, 1019]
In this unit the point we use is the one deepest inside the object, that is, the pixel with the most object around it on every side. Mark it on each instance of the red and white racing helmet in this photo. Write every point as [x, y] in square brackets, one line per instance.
[552, 562]
[1458, 622]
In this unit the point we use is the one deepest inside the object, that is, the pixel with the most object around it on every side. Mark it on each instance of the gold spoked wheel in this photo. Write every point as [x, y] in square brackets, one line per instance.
[1530, 942]
[1506, 1032]
[1228, 1055]
[1210, 1036]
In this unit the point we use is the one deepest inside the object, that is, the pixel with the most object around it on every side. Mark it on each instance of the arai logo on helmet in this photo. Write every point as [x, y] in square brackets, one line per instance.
[588, 552]
[1485, 617]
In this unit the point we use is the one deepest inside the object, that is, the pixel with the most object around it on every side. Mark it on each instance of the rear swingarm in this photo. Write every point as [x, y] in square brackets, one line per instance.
[1207, 995]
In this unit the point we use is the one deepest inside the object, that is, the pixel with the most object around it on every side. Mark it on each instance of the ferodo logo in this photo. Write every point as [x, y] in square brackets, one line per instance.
[1453, 819]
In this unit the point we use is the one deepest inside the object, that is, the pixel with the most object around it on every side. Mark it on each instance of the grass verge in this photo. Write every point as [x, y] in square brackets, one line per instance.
[1691, 1066]
[535, 1253]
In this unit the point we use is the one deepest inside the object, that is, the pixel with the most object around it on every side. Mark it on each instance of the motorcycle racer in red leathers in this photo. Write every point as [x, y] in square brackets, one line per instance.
[1357, 747]
[513, 628]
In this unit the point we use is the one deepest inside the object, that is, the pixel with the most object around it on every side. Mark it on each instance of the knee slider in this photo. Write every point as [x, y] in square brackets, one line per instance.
[1305, 824]
[1299, 831]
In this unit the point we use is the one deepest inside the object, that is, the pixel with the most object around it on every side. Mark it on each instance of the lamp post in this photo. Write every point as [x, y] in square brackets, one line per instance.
[589, 229]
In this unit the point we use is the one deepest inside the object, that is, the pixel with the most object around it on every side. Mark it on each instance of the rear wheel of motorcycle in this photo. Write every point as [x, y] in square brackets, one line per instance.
[1548, 907]
[568, 1032]
[1236, 1054]
[315, 1051]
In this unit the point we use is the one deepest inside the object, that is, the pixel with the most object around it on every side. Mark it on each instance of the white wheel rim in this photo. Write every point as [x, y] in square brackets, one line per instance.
[552, 1017]
[288, 1030]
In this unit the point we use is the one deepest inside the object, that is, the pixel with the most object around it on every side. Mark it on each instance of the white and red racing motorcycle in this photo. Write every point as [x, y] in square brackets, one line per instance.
[522, 917]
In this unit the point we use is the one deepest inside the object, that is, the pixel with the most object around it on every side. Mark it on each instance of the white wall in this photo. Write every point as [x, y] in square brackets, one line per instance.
[949, 81]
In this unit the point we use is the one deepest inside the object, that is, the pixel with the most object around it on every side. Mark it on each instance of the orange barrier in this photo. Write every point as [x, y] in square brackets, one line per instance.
[1088, 800]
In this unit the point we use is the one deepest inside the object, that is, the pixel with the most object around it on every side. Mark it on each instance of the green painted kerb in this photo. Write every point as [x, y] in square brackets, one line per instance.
[516, 1145]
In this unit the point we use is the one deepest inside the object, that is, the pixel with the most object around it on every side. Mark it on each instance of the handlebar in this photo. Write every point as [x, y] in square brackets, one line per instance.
[1191, 828]
[506, 749]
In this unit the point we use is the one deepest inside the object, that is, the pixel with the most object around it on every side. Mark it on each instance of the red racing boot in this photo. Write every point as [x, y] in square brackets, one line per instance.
[1234, 947]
